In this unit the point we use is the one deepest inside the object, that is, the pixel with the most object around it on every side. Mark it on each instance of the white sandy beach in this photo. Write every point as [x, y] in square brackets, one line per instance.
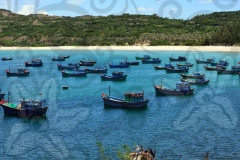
[147, 48]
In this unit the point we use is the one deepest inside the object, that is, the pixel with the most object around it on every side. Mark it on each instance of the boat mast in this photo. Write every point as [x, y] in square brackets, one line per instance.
[8, 96]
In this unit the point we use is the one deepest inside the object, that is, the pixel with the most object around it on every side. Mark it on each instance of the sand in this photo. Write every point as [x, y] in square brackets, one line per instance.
[147, 48]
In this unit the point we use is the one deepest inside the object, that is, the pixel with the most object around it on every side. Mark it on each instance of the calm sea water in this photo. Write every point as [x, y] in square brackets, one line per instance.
[76, 120]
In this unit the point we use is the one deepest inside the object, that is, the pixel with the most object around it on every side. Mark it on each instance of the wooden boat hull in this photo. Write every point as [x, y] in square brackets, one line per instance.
[24, 113]
[9, 74]
[118, 103]
[196, 83]
[169, 70]
[192, 76]
[173, 92]
[111, 78]
[89, 61]
[33, 64]
[177, 59]
[151, 62]
[80, 74]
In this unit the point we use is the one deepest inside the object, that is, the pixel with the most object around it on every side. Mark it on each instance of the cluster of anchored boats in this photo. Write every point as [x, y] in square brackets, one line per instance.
[132, 99]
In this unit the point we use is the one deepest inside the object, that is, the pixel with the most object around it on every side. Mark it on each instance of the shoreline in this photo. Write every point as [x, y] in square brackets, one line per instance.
[132, 48]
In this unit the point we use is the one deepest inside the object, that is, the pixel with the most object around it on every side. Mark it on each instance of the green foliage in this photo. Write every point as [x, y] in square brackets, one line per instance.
[42, 30]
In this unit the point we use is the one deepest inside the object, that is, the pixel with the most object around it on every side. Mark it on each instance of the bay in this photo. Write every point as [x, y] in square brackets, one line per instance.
[76, 119]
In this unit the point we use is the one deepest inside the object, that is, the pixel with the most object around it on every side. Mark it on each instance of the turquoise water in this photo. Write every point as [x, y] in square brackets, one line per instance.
[76, 119]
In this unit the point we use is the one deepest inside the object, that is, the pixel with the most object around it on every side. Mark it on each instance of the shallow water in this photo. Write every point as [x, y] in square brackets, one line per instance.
[76, 120]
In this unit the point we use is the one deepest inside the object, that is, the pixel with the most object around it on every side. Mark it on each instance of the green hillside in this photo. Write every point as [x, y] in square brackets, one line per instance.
[218, 28]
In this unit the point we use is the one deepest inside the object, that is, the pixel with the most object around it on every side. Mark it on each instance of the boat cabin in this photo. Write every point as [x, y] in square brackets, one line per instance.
[31, 104]
[116, 74]
[134, 97]
[236, 68]
[183, 86]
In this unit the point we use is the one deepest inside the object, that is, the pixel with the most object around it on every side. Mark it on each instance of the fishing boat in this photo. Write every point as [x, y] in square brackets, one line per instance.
[178, 69]
[86, 63]
[116, 76]
[194, 75]
[120, 65]
[34, 63]
[216, 68]
[77, 73]
[180, 58]
[146, 57]
[182, 89]
[131, 62]
[164, 67]
[62, 67]
[59, 58]
[132, 100]
[20, 72]
[185, 64]
[208, 61]
[65, 56]
[26, 108]
[96, 70]
[221, 62]
[152, 61]
[198, 81]
[234, 70]
[7, 58]
[89, 61]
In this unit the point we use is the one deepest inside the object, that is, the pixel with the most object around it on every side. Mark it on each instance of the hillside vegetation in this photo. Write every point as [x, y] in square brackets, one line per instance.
[219, 28]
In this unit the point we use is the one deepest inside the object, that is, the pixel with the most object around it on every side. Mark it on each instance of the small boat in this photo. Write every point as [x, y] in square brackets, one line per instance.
[234, 70]
[152, 61]
[89, 61]
[61, 67]
[221, 62]
[180, 58]
[86, 63]
[194, 75]
[7, 58]
[34, 63]
[182, 89]
[96, 70]
[120, 65]
[77, 73]
[130, 62]
[146, 57]
[185, 64]
[65, 56]
[132, 100]
[65, 87]
[179, 69]
[26, 108]
[20, 72]
[216, 68]
[196, 81]
[59, 58]
[208, 61]
[116, 76]
[164, 67]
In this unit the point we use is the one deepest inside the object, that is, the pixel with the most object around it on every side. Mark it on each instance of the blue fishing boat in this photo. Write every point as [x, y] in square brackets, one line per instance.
[221, 62]
[7, 58]
[234, 70]
[146, 57]
[216, 68]
[62, 67]
[86, 63]
[164, 67]
[178, 69]
[34, 63]
[96, 70]
[77, 73]
[120, 65]
[20, 72]
[198, 81]
[132, 100]
[194, 75]
[130, 62]
[182, 89]
[26, 108]
[59, 58]
[152, 61]
[116, 76]
[185, 64]
[208, 61]
[180, 58]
